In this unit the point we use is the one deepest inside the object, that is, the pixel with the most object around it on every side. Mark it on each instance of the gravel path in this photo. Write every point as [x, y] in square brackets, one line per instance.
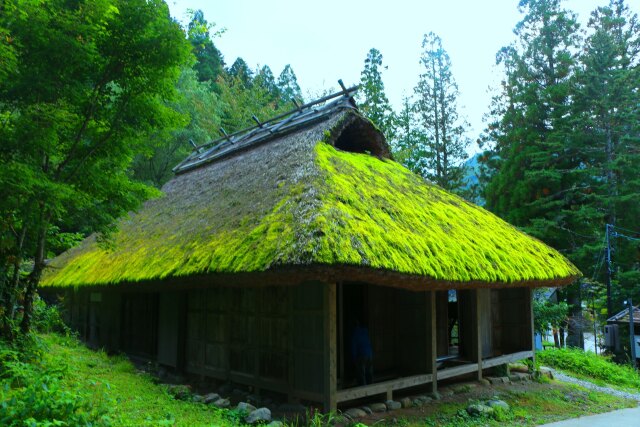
[586, 384]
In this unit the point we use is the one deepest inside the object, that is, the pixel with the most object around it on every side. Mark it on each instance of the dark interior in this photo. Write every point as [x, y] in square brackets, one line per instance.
[360, 136]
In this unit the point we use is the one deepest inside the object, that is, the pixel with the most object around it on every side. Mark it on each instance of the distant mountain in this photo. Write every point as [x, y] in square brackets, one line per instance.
[471, 181]
[472, 168]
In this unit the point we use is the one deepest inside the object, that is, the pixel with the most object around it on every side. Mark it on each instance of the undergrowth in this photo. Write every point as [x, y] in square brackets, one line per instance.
[51, 379]
[591, 366]
[33, 387]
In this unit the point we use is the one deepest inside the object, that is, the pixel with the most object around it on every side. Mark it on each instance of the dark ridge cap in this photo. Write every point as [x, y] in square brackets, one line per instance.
[267, 131]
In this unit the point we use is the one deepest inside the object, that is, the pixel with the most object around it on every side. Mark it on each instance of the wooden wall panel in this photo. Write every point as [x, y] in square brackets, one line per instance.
[168, 327]
[442, 322]
[486, 328]
[382, 328]
[308, 332]
[411, 347]
[515, 320]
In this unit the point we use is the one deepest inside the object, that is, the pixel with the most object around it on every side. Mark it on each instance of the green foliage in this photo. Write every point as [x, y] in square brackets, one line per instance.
[241, 72]
[530, 123]
[562, 139]
[209, 61]
[606, 119]
[164, 149]
[589, 365]
[47, 318]
[439, 151]
[316, 418]
[546, 314]
[288, 85]
[240, 102]
[33, 393]
[48, 380]
[88, 86]
[266, 81]
[372, 100]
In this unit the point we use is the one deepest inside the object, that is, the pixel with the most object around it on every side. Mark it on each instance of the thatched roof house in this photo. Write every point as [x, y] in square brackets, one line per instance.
[312, 200]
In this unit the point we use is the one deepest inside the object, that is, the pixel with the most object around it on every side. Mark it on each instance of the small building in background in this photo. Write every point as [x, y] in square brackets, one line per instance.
[269, 246]
[616, 332]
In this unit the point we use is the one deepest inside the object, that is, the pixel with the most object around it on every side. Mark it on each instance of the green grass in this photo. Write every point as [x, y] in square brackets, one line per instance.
[590, 366]
[56, 377]
[92, 388]
[540, 404]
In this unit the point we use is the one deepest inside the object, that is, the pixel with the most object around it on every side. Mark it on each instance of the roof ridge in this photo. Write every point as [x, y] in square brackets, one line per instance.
[298, 118]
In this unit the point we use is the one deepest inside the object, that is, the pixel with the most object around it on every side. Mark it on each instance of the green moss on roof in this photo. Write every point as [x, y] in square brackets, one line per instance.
[378, 213]
[309, 203]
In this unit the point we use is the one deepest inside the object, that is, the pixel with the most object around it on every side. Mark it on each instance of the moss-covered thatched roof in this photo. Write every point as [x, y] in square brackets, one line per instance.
[299, 208]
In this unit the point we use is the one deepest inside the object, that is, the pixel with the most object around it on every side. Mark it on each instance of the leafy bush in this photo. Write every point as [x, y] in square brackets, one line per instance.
[546, 314]
[32, 394]
[590, 365]
[47, 318]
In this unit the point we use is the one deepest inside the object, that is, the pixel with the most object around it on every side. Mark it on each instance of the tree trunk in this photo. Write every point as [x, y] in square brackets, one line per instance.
[10, 290]
[575, 334]
[34, 278]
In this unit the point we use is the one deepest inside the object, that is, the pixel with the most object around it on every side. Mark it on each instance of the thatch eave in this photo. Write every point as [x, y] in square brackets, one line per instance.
[299, 275]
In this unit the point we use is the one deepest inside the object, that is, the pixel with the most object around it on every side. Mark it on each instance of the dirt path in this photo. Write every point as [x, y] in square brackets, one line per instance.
[591, 386]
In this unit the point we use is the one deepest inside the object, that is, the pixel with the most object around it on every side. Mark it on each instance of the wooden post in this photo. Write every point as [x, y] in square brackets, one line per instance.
[341, 332]
[432, 339]
[330, 336]
[478, 333]
[291, 397]
[181, 354]
[529, 296]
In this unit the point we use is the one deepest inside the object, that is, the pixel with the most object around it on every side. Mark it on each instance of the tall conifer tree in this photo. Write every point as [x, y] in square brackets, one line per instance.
[210, 63]
[373, 101]
[607, 125]
[288, 85]
[437, 107]
[536, 180]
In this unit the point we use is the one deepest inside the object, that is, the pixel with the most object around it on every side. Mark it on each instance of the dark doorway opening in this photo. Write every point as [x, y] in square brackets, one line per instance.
[353, 300]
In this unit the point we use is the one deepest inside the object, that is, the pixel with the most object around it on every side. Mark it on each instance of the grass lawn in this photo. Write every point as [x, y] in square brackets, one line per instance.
[124, 395]
[531, 403]
[592, 367]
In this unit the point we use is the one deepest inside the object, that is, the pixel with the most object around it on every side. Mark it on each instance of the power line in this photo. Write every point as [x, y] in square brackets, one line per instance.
[635, 239]
[624, 229]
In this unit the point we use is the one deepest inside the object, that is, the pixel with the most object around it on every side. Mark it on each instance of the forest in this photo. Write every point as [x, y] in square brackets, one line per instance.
[99, 100]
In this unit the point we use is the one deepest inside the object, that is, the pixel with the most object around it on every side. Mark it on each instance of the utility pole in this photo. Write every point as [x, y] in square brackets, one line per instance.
[608, 275]
[632, 333]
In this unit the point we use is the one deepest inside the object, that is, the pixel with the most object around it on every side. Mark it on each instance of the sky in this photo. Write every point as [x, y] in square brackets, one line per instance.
[328, 40]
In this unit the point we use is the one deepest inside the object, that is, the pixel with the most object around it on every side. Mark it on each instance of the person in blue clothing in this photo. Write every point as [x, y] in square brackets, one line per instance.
[362, 354]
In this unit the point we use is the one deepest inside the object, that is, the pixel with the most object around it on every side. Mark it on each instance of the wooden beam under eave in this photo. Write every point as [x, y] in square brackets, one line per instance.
[330, 351]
